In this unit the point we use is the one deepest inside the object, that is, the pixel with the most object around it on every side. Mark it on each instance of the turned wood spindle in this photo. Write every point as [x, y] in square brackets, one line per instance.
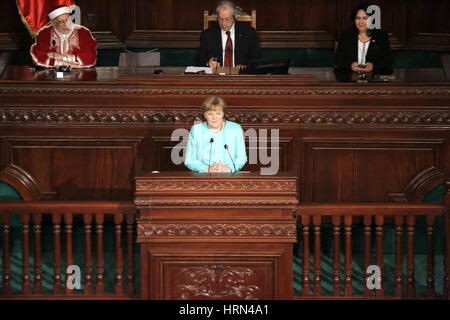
[6, 253]
[430, 257]
[367, 253]
[25, 219]
[306, 290]
[398, 256]
[57, 283]
[68, 222]
[410, 285]
[317, 261]
[87, 219]
[118, 220]
[336, 220]
[348, 291]
[37, 226]
[379, 221]
[130, 279]
[100, 269]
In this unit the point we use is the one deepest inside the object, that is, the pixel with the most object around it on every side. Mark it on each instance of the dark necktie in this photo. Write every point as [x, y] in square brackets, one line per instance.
[228, 51]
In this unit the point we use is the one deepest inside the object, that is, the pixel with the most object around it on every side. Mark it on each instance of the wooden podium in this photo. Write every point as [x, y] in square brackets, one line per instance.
[216, 236]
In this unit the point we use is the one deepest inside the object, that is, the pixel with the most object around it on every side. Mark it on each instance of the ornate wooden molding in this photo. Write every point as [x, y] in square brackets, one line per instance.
[216, 230]
[142, 117]
[224, 91]
[214, 186]
[149, 201]
[22, 181]
[217, 282]
[416, 189]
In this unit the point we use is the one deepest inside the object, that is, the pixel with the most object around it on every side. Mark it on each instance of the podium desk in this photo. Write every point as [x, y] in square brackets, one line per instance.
[218, 236]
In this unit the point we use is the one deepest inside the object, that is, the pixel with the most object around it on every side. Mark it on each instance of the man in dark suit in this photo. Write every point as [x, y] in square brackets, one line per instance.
[230, 44]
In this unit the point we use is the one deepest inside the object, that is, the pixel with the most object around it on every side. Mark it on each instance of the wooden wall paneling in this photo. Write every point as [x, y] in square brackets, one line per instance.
[336, 170]
[78, 168]
[428, 25]
[105, 20]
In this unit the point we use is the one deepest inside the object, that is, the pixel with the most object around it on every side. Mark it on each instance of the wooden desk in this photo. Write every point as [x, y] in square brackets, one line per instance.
[216, 236]
[346, 142]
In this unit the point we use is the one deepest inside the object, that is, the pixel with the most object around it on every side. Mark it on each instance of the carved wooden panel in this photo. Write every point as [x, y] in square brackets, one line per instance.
[77, 169]
[347, 170]
[217, 280]
[223, 271]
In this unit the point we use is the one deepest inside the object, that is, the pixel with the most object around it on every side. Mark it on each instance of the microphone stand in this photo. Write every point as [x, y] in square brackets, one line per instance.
[210, 151]
[231, 158]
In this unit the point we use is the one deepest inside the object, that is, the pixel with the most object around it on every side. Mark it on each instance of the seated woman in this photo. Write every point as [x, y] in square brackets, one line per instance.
[361, 49]
[216, 145]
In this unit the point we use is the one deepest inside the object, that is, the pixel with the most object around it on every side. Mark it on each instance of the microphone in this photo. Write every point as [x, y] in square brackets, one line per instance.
[210, 151]
[226, 147]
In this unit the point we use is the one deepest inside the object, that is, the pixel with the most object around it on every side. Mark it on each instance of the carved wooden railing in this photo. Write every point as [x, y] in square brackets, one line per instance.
[63, 215]
[403, 216]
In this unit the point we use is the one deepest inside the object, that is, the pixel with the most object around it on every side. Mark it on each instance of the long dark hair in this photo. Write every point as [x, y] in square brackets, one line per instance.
[362, 6]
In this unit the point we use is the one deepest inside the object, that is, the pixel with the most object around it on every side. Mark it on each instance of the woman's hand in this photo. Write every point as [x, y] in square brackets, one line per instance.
[355, 67]
[369, 67]
[218, 167]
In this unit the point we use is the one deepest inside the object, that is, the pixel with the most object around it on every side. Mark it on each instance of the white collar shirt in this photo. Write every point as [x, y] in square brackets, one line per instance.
[224, 43]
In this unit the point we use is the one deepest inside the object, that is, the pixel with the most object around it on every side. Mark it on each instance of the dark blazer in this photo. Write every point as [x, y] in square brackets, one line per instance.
[379, 52]
[246, 46]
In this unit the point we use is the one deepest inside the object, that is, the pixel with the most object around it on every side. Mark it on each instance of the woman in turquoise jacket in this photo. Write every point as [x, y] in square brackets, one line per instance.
[216, 145]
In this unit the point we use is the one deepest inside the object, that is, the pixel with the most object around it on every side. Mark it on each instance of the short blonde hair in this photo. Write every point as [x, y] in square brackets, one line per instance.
[214, 102]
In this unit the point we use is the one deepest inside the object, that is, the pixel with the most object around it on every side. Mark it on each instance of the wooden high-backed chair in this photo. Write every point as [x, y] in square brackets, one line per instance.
[242, 17]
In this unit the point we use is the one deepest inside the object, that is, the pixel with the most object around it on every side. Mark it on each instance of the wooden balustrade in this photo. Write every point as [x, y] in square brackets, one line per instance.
[63, 216]
[344, 218]
[373, 217]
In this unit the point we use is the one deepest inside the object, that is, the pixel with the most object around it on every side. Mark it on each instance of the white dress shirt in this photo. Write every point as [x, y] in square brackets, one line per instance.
[363, 47]
[224, 43]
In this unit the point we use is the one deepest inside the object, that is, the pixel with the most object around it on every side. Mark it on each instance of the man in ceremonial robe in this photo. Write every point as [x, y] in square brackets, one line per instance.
[64, 43]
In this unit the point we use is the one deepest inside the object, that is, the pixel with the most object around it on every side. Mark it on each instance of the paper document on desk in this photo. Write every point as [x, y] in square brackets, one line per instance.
[191, 69]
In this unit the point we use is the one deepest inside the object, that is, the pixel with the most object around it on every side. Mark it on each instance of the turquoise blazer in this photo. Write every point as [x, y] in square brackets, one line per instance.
[199, 147]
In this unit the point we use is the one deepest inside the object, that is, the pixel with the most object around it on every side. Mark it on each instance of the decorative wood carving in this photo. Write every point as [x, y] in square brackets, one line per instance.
[140, 117]
[225, 91]
[142, 201]
[214, 186]
[219, 230]
[217, 282]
